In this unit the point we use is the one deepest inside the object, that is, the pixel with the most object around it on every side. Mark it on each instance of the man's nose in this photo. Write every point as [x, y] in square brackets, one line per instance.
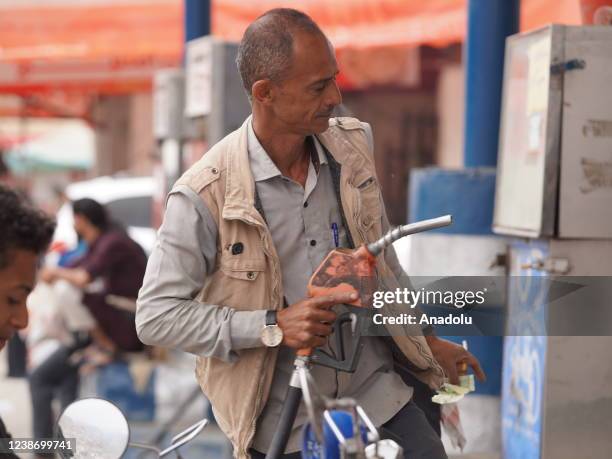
[19, 320]
[334, 97]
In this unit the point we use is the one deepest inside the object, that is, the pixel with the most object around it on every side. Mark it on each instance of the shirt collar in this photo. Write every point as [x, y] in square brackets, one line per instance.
[262, 167]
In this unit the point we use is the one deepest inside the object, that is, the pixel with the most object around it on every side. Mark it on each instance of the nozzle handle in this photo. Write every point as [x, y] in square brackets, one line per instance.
[417, 227]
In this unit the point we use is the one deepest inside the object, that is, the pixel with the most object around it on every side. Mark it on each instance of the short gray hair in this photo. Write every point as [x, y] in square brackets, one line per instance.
[266, 48]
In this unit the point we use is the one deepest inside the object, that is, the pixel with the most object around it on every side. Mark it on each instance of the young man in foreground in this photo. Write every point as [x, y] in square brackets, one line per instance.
[25, 234]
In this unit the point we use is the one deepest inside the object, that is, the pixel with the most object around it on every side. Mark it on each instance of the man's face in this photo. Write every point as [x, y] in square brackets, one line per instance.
[16, 282]
[304, 100]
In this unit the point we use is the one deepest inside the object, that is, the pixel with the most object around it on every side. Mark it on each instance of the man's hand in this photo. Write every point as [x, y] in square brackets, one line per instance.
[47, 274]
[76, 276]
[307, 323]
[453, 358]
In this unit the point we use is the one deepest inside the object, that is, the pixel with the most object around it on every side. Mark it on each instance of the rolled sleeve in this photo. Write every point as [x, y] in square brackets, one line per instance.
[167, 313]
[246, 328]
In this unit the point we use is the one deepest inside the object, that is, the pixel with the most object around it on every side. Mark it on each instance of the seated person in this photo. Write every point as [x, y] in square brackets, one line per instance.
[113, 265]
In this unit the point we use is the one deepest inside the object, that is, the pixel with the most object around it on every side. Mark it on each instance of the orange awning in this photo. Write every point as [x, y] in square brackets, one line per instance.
[112, 47]
[374, 39]
[356, 23]
[366, 23]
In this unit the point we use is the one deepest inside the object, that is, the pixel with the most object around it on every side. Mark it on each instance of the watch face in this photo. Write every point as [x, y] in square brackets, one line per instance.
[272, 335]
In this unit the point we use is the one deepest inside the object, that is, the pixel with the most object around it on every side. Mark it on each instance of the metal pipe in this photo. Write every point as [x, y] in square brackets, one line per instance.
[417, 227]
[285, 423]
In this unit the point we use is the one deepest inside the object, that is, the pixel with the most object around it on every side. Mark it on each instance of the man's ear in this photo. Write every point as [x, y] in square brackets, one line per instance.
[262, 91]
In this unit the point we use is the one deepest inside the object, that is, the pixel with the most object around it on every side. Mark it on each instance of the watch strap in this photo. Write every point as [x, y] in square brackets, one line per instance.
[270, 317]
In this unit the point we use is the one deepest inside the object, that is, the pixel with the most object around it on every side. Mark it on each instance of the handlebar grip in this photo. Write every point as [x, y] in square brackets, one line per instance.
[306, 352]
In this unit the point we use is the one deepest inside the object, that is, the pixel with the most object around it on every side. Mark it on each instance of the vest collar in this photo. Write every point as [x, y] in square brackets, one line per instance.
[343, 152]
[240, 185]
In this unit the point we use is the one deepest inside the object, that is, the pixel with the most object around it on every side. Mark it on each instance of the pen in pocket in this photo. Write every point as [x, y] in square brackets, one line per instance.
[334, 228]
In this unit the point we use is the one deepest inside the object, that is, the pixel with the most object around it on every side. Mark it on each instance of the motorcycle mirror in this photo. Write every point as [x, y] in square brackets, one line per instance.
[98, 426]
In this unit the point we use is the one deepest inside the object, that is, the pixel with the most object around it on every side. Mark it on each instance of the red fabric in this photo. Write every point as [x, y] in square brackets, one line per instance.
[106, 48]
[357, 23]
[376, 40]
[115, 48]
[364, 23]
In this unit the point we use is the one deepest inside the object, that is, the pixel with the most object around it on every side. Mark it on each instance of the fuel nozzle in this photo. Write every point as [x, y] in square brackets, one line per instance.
[397, 233]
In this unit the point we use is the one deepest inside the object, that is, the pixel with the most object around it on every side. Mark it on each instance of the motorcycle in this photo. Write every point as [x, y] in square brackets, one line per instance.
[340, 428]
[95, 428]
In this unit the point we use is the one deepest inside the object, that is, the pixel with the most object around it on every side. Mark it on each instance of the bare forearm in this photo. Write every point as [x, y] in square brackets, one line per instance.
[77, 276]
[102, 339]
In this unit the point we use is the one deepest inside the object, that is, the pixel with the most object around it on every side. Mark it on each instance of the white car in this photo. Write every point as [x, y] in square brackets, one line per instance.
[129, 201]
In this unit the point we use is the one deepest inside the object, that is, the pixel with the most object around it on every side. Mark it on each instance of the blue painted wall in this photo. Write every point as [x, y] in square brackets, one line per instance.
[468, 195]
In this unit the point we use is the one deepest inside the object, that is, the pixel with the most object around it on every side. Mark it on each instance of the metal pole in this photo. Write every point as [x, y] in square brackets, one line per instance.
[285, 423]
[197, 19]
[290, 408]
[196, 25]
[489, 23]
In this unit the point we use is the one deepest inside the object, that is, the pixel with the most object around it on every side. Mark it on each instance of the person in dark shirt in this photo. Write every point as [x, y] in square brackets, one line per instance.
[113, 265]
[26, 233]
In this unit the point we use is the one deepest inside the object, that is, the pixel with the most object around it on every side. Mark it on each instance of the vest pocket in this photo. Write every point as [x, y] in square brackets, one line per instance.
[367, 183]
[243, 269]
[369, 209]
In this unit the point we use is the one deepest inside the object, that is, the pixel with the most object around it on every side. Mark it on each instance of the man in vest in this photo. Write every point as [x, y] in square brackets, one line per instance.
[244, 230]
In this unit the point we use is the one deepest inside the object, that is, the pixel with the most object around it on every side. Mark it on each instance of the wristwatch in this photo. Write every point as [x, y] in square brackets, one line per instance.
[271, 335]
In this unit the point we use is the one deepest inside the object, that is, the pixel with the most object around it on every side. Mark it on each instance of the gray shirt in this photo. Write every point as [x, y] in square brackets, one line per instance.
[300, 221]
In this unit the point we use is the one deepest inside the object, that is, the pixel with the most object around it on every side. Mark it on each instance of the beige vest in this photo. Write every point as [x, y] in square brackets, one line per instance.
[222, 178]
